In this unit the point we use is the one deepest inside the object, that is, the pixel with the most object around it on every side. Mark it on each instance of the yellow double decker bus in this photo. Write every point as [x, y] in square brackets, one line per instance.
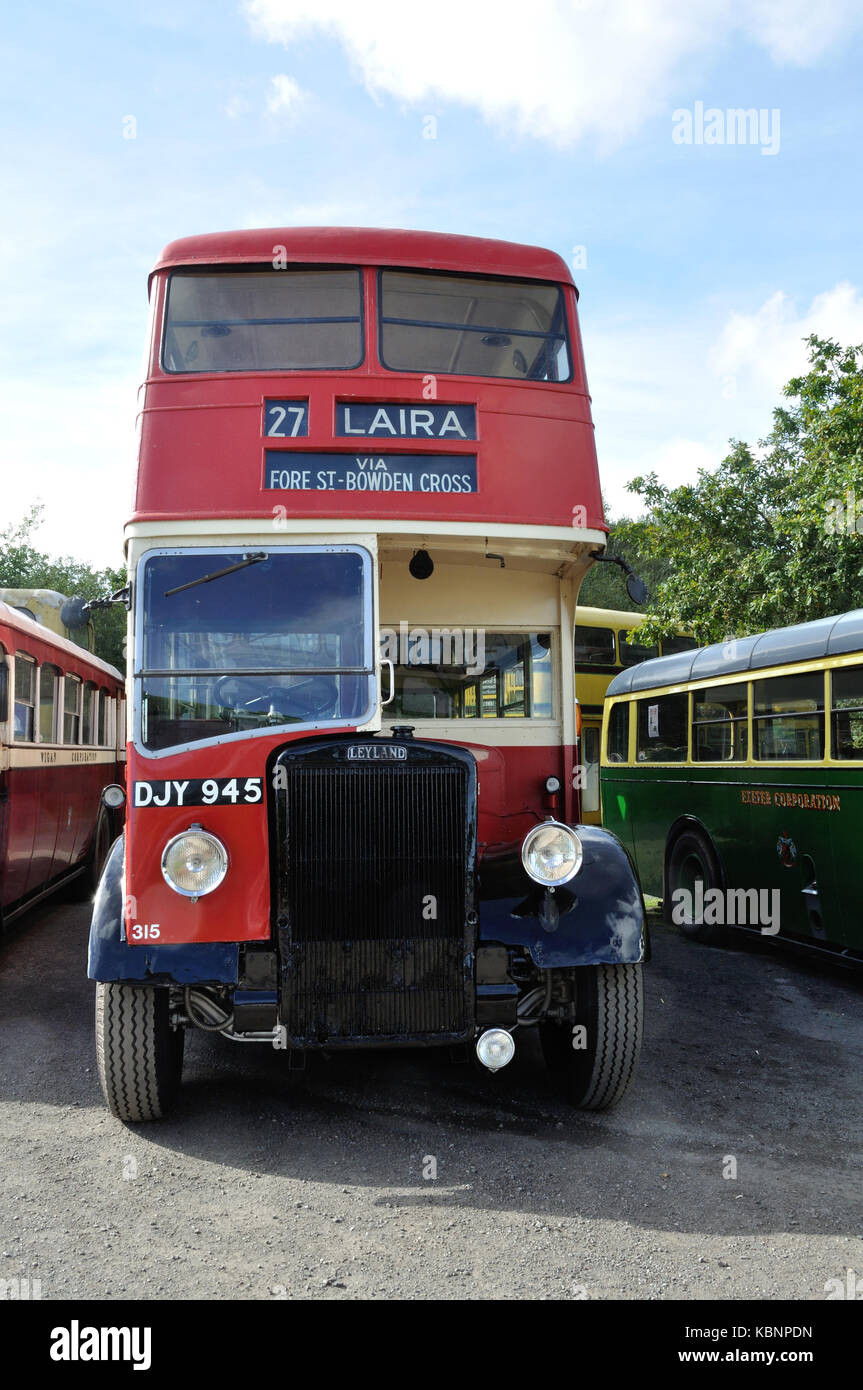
[601, 652]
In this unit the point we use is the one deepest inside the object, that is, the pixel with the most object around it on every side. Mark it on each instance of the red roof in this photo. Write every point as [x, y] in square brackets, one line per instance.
[29, 627]
[369, 246]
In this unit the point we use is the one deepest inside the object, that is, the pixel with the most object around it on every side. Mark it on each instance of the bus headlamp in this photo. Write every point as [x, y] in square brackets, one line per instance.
[194, 863]
[551, 854]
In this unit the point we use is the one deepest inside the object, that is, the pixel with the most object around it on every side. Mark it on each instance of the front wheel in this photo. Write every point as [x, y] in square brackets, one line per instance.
[139, 1054]
[594, 1058]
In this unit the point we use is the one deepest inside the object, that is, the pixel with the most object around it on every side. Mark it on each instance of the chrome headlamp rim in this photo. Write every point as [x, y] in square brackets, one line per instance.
[578, 853]
[222, 854]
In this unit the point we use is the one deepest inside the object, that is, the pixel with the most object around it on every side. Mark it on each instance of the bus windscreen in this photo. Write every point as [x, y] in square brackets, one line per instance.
[233, 647]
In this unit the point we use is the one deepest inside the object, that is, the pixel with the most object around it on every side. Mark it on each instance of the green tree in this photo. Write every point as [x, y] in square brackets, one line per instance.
[22, 566]
[773, 536]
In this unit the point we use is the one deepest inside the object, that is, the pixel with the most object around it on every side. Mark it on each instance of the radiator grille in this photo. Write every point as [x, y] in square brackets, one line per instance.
[374, 900]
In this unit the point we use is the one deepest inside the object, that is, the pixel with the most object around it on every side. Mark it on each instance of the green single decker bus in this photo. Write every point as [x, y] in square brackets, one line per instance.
[734, 776]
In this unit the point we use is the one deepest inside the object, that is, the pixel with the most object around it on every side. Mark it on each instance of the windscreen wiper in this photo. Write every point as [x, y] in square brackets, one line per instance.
[253, 558]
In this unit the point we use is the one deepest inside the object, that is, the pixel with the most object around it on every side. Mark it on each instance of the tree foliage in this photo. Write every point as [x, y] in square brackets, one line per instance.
[774, 535]
[22, 566]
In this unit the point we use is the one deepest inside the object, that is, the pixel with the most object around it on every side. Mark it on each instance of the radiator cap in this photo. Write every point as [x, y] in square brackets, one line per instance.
[403, 730]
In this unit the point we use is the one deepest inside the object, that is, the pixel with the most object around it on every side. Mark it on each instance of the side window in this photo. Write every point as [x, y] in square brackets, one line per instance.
[594, 646]
[49, 687]
[633, 653]
[590, 763]
[4, 688]
[72, 709]
[617, 739]
[789, 717]
[102, 718]
[847, 712]
[661, 731]
[25, 698]
[720, 724]
[88, 705]
[446, 674]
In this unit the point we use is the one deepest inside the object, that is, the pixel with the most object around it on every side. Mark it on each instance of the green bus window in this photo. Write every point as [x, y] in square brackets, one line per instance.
[594, 646]
[719, 724]
[847, 712]
[789, 717]
[662, 729]
[633, 653]
[617, 745]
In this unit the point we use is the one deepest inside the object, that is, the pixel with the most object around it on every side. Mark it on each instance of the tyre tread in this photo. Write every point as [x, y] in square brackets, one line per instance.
[130, 1068]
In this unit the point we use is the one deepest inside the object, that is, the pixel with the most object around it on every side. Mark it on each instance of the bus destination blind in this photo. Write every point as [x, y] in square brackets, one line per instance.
[319, 472]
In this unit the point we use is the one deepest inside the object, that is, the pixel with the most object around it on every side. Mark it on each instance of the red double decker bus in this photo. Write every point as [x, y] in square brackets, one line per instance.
[61, 712]
[367, 494]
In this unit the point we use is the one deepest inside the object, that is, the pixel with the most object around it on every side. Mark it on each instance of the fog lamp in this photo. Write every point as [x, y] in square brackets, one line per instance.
[495, 1048]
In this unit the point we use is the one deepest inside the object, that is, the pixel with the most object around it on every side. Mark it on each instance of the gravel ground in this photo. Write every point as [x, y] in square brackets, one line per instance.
[265, 1186]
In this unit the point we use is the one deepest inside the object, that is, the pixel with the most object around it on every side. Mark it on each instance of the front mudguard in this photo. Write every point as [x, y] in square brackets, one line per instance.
[597, 918]
[110, 957]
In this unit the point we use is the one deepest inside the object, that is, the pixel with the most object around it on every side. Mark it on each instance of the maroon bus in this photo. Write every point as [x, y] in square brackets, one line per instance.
[367, 494]
[61, 724]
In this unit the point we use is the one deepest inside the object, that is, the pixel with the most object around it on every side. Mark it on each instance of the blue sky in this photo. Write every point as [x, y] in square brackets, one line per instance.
[703, 265]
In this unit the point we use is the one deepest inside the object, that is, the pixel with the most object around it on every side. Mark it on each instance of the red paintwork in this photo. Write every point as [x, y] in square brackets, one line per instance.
[48, 813]
[368, 246]
[510, 779]
[202, 443]
[202, 456]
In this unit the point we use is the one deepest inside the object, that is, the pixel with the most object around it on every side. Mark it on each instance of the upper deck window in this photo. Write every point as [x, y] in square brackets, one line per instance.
[633, 653]
[594, 646]
[263, 320]
[473, 327]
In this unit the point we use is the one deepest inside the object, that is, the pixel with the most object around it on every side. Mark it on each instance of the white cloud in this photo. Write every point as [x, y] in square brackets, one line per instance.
[285, 94]
[560, 70]
[767, 347]
[668, 397]
[797, 31]
[236, 107]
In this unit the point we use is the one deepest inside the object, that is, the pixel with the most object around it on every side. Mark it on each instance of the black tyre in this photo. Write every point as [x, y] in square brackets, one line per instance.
[593, 1060]
[139, 1054]
[690, 860]
[82, 888]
